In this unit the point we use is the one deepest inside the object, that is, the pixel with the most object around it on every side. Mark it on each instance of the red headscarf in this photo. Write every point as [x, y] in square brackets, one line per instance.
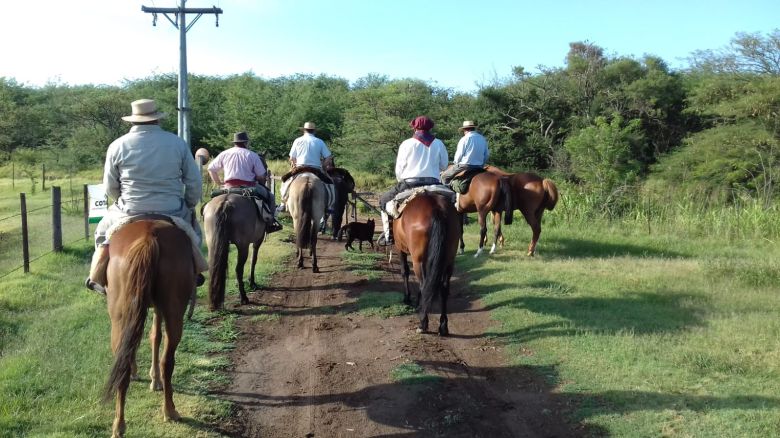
[423, 124]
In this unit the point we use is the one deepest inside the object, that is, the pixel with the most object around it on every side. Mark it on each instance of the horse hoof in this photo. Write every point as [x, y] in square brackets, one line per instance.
[461, 251]
[155, 386]
[419, 331]
[444, 331]
[315, 270]
[244, 301]
[530, 254]
[172, 415]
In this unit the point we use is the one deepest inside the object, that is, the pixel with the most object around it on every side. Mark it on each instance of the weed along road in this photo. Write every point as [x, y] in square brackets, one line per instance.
[336, 354]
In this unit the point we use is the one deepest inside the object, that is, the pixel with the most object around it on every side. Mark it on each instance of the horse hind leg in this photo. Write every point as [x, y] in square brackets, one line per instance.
[536, 230]
[482, 231]
[173, 331]
[243, 254]
[405, 271]
[252, 284]
[496, 231]
[445, 292]
[155, 336]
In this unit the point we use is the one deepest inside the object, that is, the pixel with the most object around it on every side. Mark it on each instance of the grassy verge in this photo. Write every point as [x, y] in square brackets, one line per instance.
[55, 355]
[382, 304]
[363, 264]
[658, 334]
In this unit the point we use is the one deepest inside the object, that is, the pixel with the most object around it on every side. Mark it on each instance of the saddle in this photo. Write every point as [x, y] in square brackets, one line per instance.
[462, 180]
[395, 207]
[247, 192]
[307, 169]
[173, 220]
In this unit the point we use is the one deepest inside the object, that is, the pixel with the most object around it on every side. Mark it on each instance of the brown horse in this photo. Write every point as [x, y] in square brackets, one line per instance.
[231, 218]
[428, 231]
[531, 194]
[306, 203]
[487, 193]
[147, 267]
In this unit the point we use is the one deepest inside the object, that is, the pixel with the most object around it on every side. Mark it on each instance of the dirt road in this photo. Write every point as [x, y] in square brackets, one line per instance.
[323, 370]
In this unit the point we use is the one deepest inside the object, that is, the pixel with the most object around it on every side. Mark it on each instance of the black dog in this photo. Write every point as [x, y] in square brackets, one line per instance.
[358, 231]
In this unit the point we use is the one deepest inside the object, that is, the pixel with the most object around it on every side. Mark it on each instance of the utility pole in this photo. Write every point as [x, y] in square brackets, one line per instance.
[179, 22]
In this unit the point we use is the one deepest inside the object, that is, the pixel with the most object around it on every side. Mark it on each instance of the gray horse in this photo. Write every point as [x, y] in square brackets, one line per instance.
[306, 204]
[227, 219]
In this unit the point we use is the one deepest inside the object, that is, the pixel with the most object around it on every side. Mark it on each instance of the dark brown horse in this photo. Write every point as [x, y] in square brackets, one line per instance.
[531, 194]
[150, 266]
[428, 231]
[488, 193]
[343, 185]
[231, 218]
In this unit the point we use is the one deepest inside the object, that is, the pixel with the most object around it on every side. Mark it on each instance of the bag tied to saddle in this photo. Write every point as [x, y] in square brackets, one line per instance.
[462, 181]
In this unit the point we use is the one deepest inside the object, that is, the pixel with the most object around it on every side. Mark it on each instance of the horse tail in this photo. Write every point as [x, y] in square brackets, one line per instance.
[435, 261]
[552, 193]
[303, 226]
[506, 193]
[218, 262]
[140, 263]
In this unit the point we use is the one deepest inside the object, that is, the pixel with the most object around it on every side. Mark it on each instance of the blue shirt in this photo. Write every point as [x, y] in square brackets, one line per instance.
[472, 150]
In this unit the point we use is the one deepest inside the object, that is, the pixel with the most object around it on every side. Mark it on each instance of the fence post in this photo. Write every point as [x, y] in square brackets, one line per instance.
[25, 241]
[56, 219]
[43, 176]
[86, 212]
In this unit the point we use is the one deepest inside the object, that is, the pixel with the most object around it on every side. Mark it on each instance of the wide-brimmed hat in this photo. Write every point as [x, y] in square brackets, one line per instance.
[144, 110]
[309, 125]
[468, 124]
[240, 137]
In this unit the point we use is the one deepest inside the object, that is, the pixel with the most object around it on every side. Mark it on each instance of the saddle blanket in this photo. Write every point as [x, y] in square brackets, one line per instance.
[177, 221]
[395, 207]
[329, 190]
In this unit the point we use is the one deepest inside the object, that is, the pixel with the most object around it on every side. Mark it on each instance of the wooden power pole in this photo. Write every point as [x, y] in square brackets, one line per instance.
[179, 22]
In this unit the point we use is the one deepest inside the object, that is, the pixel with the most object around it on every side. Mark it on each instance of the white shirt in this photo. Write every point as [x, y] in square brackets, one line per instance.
[472, 149]
[415, 160]
[307, 150]
[238, 163]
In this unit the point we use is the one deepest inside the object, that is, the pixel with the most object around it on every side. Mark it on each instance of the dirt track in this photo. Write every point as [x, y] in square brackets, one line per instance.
[324, 371]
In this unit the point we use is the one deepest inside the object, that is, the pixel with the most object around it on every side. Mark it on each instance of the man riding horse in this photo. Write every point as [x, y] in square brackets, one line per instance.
[308, 154]
[148, 170]
[419, 162]
[471, 154]
[243, 168]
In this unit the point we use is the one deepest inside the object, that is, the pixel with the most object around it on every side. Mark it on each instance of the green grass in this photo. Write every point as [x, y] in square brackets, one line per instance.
[363, 264]
[661, 334]
[411, 373]
[382, 304]
[266, 315]
[55, 354]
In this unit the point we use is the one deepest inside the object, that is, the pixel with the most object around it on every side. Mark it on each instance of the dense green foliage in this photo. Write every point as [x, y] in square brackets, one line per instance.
[616, 127]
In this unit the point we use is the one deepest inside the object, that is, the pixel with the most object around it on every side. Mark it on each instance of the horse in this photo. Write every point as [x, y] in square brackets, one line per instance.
[343, 185]
[147, 268]
[306, 202]
[428, 231]
[531, 194]
[231, 218]
[487, 193]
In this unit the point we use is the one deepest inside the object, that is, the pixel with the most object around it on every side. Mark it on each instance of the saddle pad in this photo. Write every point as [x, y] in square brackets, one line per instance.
[396, 206]
[177, 221]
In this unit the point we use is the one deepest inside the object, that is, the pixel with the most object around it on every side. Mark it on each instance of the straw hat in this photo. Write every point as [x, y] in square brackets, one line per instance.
[309, 125]
[468, 124]
[144, 110]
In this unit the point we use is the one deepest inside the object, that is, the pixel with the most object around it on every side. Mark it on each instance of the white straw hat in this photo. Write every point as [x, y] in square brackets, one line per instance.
[468, 124]
[144, 110]
[309, 125]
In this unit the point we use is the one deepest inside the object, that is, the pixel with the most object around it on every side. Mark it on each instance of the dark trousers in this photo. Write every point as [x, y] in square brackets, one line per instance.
[450, 173]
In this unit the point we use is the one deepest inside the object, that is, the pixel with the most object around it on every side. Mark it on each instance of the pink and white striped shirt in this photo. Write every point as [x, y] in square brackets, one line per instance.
[238, 163]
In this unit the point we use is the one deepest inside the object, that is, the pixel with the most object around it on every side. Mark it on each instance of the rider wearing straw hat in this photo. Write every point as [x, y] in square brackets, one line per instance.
[471, 153]
[310, 154]
[147, 170]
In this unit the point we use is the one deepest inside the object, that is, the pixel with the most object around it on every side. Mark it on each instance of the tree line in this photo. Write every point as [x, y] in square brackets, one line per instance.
[614, 127]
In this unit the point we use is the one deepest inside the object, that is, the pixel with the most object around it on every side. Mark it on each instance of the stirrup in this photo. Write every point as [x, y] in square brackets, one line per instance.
[91, 285]
[382, 241]
[200, 280]
[272, 227]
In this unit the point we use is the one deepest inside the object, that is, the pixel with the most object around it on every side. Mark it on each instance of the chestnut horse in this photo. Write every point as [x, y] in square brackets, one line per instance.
[531, 194]
[428, 231]
[487, 193]
[231, 218]
[306, 203]
[150, 266]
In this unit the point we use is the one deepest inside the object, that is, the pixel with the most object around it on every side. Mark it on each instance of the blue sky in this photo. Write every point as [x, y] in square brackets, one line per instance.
[454, 44]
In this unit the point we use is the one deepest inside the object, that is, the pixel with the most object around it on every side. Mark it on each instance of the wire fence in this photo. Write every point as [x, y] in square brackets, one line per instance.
[40, 227]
